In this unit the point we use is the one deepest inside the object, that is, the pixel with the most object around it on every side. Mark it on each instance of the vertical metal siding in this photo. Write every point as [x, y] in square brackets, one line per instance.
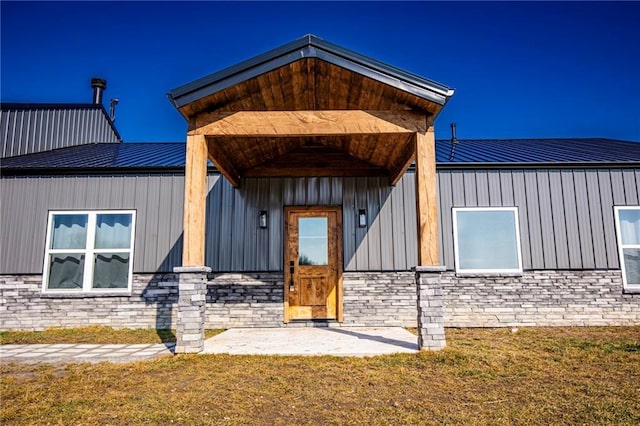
[571, 215]
[238, 244]
[276, 221]
[535, 225]
[547, 223]
[597, 225]
[362, 238]
[495, 191]
[26, 202]
[373, 228]
[558, 218]
[608, 220]
[566, 217]
[349, 224]
[410, 219]
[26, 131]
[584, 219]
[398, 229]
[482, 188]
[630, 187]
[386, 227]
[445, 225]
[520, 201]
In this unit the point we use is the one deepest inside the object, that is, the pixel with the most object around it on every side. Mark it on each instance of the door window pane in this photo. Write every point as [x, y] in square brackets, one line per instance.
[113, 231]
[111, 270]
[487, 240]
[69, 231]
[312, 241]
[65, 271]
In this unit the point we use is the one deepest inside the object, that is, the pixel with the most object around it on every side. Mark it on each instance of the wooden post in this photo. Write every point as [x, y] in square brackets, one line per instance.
[195, 195]
[426, 198]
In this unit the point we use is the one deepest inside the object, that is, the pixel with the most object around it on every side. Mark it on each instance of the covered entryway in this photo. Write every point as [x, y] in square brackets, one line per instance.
[308, 109]
[313, 263]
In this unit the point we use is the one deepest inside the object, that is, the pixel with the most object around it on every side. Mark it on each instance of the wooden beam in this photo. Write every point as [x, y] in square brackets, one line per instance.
[195, 195]
[306, 123]
[406, 158]
[219, 159]
[426, 199]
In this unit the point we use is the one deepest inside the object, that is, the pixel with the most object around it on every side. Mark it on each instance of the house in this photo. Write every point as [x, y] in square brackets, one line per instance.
[311, 191]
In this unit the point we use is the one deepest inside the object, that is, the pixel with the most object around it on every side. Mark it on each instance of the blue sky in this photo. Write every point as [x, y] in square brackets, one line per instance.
[519, 69]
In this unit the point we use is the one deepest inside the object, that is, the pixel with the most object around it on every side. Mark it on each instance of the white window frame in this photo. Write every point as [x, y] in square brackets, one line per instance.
[517, 270]
[88, 251]
[621, 247]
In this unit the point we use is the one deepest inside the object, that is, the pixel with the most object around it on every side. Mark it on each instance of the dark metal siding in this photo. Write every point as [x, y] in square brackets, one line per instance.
[235, 243]
[26, 131]
[566, 216]
[26, 202]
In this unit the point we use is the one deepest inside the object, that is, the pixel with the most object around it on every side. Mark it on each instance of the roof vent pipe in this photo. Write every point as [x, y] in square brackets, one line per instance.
[99, 85]
[454, 141]
[112, 109]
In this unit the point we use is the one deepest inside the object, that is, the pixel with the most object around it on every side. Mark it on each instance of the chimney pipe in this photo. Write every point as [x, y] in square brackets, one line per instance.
[99, 85]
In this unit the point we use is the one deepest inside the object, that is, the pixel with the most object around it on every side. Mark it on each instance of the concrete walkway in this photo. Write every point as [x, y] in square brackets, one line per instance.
[336, 341]
[66, 353]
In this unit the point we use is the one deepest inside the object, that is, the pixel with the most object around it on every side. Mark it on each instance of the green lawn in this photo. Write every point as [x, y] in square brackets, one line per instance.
[485, 376]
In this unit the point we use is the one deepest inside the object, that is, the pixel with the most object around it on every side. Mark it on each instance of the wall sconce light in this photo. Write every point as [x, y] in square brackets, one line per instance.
[262, 219]
[362, 218]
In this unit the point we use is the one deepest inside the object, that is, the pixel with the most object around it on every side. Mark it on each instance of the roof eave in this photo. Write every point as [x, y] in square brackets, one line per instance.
[540, 165]
[131, 170]
[310, 47]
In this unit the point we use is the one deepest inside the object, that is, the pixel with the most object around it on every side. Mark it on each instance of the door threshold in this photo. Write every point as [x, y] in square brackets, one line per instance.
[313, 323]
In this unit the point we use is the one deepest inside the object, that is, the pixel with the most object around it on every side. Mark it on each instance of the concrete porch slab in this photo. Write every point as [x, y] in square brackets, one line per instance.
[313, 341]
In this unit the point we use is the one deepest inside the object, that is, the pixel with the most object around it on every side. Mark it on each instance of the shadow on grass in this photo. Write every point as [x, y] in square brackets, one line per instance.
[166, 336]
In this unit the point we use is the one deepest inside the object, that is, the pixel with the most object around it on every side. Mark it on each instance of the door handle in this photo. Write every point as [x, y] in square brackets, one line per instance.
[292, 286]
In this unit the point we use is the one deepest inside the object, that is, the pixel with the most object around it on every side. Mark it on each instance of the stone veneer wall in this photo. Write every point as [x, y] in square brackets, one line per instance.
[152, 304]
[245, 300]
[255, 299]
[379, 299]
[539, 298]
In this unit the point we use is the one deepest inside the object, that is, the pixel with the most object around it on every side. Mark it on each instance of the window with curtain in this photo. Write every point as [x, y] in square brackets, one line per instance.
[89, 251]
[628, 227]
[487, 240]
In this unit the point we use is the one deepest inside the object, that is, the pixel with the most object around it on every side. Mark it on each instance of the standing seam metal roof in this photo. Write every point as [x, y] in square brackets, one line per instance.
[468, 152]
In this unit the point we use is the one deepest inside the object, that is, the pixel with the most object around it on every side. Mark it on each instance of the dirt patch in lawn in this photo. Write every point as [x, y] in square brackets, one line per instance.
[485, 376]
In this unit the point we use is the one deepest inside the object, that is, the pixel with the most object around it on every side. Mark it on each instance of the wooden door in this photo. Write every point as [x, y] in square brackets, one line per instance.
[313, 263]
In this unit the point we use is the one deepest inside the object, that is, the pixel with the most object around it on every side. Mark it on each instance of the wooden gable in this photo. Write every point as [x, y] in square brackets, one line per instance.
[310, 108]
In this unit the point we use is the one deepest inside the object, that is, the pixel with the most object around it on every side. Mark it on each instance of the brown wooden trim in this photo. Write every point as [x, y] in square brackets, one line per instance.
[195, 194]
[407, 157]
[222, 163]
[426, 199]
[306, 123]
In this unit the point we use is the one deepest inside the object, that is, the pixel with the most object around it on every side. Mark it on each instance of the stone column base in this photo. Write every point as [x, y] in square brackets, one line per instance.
[192, 295]
[430, 308]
